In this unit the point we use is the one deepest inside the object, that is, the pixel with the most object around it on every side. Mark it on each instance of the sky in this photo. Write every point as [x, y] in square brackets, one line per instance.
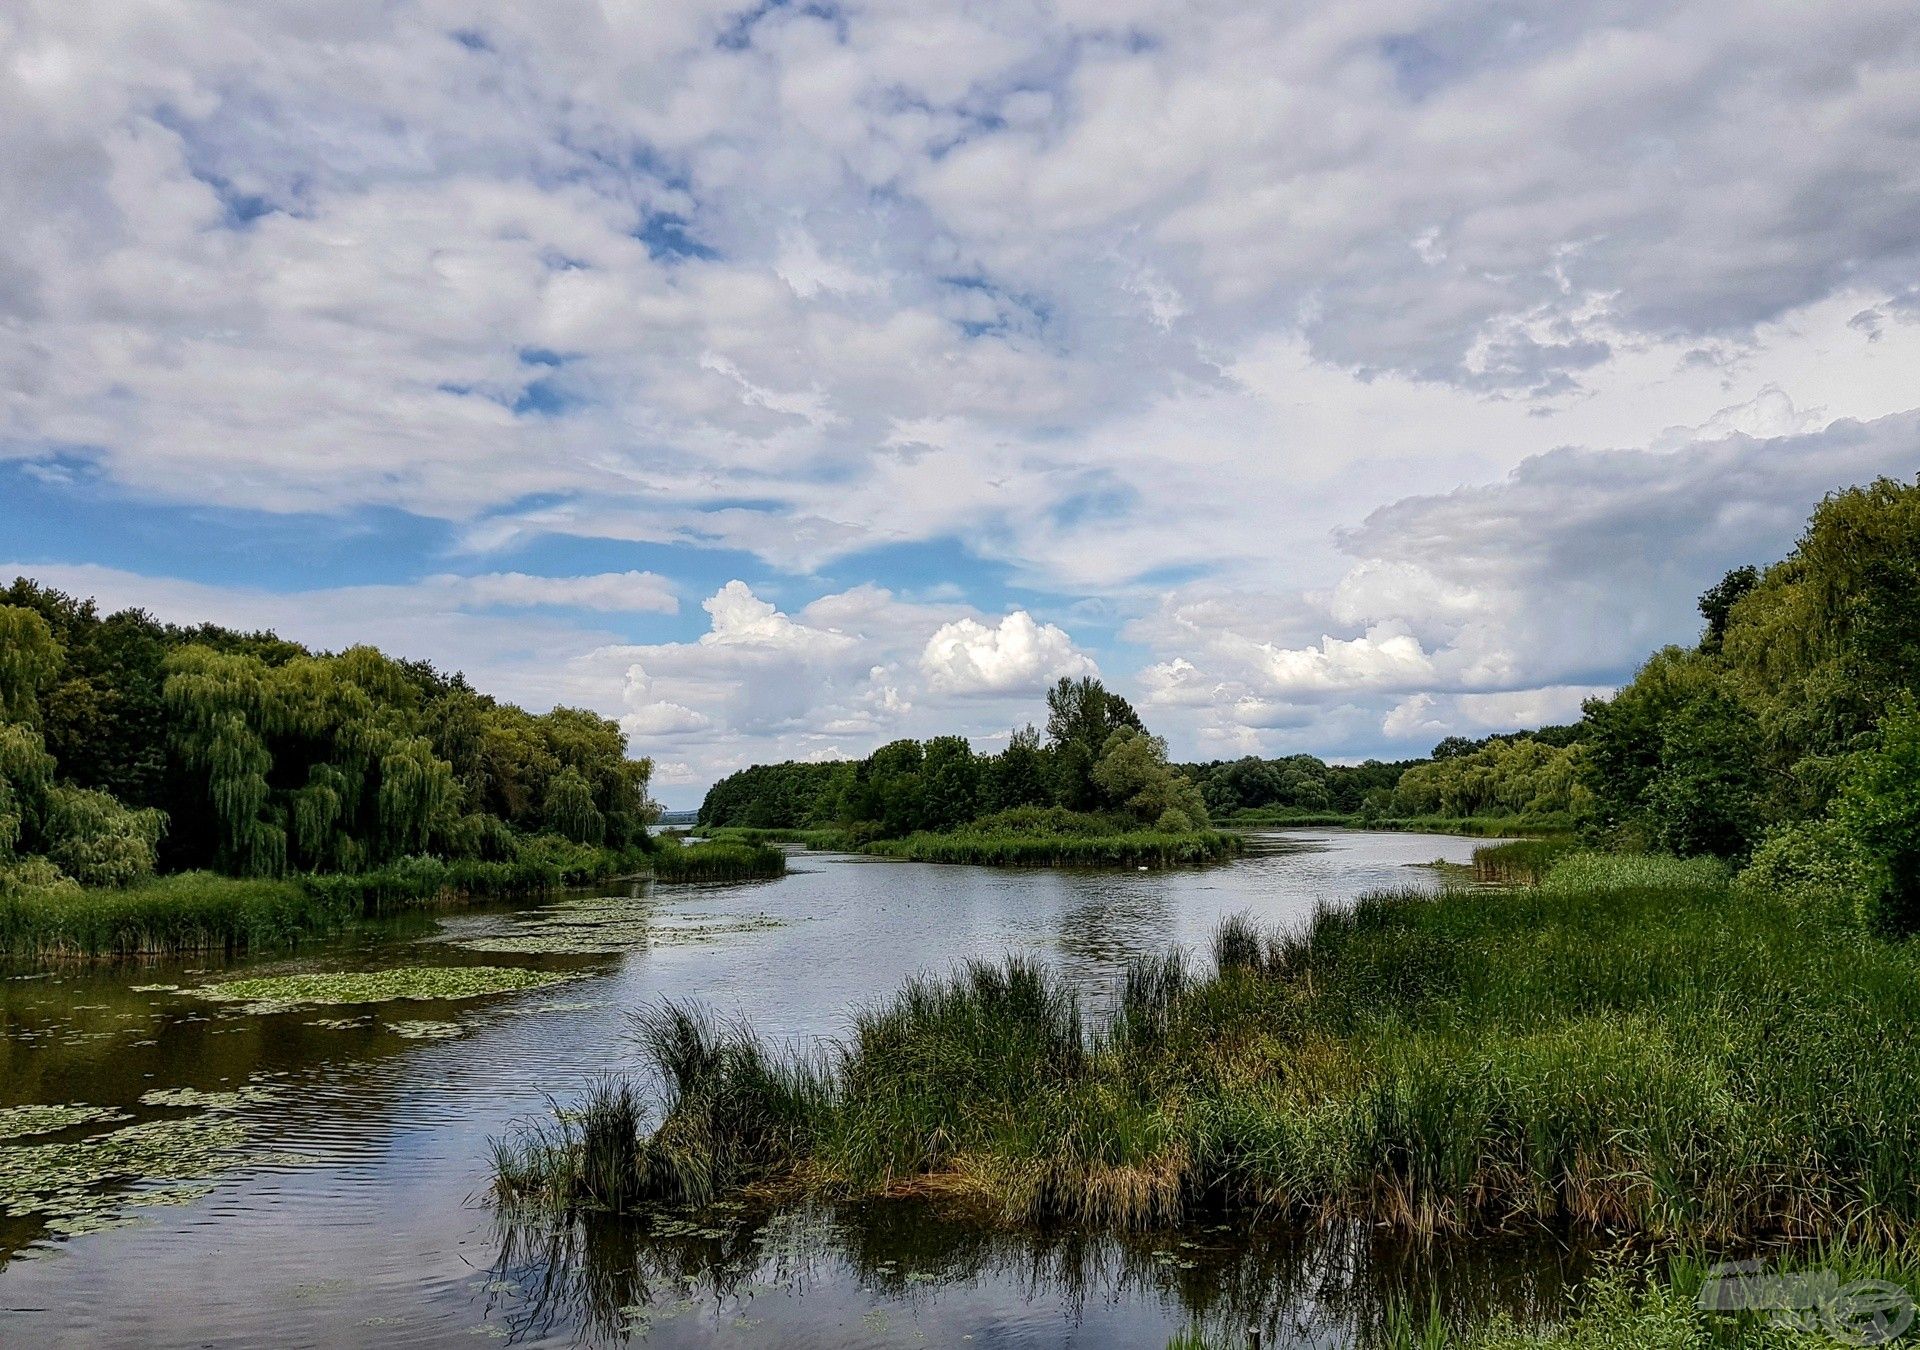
[785, 378]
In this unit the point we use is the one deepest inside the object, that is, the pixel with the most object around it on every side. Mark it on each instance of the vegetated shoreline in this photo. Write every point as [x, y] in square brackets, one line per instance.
[1133, 848]
[1475, 827]
[1634, 1048]
[207, 912]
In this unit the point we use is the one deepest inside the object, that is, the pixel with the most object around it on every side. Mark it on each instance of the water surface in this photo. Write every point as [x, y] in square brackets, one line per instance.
[339, 1199]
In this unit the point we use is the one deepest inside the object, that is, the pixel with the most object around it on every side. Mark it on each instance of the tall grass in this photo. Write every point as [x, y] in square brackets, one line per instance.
[823, 838]
[1138, 848]
[1521, 862]
[714, 860]
[202, 911]
[1648, 1051]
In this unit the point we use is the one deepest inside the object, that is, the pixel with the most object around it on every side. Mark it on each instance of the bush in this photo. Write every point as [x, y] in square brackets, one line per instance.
[1879, 809]
[1816, 865]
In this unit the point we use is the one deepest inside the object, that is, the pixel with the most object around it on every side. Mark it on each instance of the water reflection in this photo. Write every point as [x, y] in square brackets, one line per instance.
[899, 1273]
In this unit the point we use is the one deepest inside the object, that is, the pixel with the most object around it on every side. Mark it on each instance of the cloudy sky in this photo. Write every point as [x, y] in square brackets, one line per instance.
[788, 377]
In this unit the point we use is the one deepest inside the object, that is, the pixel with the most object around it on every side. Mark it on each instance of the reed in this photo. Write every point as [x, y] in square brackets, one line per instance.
[204, 911]
[714, 860]
[1519, 862]
[1139, 848]
[1648, 1051]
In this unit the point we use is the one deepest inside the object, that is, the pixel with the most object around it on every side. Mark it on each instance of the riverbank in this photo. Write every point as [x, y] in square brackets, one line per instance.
[1651, 1054]
[207, 912]
[1473, 827]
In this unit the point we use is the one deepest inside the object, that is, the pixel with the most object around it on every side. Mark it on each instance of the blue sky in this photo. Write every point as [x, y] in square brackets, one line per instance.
[782, 379]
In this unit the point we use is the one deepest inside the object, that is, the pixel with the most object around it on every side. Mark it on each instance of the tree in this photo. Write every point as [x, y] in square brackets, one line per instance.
[951, 774]
[29, 658]
[1134, 776]
[1717, 602]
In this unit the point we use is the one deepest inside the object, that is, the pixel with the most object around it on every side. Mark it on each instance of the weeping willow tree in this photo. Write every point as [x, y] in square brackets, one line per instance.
[125, 741]
[332, 763]
[570, 810]
[29, 657]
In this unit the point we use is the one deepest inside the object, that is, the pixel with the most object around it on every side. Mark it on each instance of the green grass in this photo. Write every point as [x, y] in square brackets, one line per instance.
[1482, 827]
[1519, 862]
[1137, 848]
[714, 860]
[824, 838]
[1633, 1305]
[202, 911]
[1025, 837]
[1645, 1052]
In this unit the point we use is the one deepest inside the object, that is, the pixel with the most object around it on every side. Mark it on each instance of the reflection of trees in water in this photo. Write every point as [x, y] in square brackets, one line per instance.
[1300, 1287]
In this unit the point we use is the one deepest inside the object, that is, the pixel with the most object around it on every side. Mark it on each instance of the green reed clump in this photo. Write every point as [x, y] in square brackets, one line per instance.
[732, 1114]
[1138, 848]
[204, 911]
[715, 860]
[1521, 862]
[187, 911]
[811, 838]
[1647, 1051]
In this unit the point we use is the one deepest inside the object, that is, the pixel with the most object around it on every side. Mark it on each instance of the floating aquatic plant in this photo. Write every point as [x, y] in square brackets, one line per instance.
[425, 1031]
[19, 1121]
[278, 993]
[605, 926]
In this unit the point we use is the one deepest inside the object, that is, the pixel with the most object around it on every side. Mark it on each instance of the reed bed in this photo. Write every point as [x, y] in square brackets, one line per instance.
[1651, 1054]
[823, 838]
[715, 860]
[206, 912]
[1136, 848]
[1519, 862]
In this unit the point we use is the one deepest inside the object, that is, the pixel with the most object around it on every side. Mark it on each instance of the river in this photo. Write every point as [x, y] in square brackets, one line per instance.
[320, 1172]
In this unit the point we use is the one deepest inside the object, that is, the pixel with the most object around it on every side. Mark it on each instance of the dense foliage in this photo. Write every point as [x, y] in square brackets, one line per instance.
[1096, 759]
[1789, 733]
[129, 746]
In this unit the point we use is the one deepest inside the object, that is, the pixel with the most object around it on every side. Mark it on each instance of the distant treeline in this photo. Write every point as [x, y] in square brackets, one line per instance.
[1787, 736]
[128, 746]
[1096, 758]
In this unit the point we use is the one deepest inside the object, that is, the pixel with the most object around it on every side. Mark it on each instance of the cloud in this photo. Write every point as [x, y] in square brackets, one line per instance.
[1015, 656]
[611, 592]
[1506, 605]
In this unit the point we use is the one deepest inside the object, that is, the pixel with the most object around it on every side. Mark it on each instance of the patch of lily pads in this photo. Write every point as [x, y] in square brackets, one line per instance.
[600, 926]
[103, 1180]
[17, 1122]
[281, 993]
[425, 1030]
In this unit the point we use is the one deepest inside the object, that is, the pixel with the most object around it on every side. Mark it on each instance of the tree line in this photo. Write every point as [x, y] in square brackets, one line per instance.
[1095, 758]
[1789, 735]
[128, 746]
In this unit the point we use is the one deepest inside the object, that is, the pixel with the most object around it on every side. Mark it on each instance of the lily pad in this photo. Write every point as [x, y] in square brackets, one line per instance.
[275, 993]
[425, 1031]
[18, 1121]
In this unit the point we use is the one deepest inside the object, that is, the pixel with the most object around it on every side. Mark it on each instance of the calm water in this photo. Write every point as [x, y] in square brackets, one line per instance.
[344, 1192]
